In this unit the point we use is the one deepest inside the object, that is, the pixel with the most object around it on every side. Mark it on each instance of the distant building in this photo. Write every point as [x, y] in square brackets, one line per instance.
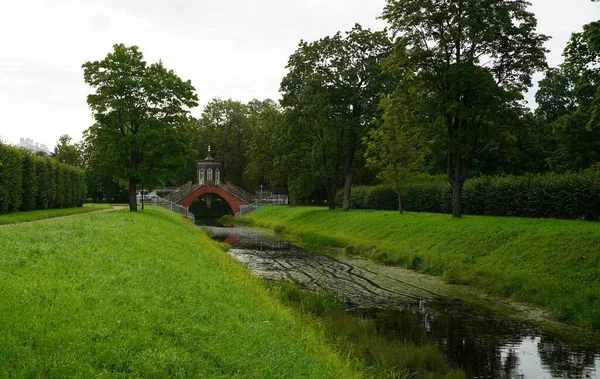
[34, 147]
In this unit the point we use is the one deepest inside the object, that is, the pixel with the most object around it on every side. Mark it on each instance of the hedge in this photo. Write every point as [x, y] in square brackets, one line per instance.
[29, 182]
[566, 196]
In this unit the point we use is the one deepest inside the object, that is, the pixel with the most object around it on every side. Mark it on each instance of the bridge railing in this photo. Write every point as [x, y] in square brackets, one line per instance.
[271, 200]
[176, 208]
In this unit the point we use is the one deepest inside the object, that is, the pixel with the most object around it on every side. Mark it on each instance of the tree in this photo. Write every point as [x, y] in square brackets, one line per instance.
[67, 152]
[226, 126]
[569, 101]
[396, 149]
[141, 114]
[333, 89]
[467, 62]
[268, 146]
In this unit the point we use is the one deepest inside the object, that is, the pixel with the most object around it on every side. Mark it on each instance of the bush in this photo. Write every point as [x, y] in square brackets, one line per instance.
[381, 198]
[10, 178]
[568, 196]
[29, 182]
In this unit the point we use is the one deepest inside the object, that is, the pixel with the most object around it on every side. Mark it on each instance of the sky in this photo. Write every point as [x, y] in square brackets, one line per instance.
[234, 49]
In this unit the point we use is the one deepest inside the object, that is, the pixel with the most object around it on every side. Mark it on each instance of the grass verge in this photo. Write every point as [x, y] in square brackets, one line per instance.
[14, 218]
[123, 294]
[550, 263]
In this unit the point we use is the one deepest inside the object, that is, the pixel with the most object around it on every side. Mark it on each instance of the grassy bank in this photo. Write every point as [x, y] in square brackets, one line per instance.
[549, 263]
[143, 295]
[16, 217]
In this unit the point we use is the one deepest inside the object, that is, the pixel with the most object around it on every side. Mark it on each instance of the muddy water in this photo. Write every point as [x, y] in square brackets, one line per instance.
[408, 306]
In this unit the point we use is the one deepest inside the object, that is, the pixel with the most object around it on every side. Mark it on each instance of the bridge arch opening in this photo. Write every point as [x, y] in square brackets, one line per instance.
[209, 207]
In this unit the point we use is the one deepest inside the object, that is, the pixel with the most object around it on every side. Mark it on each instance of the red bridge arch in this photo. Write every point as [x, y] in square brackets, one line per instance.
[233, 201]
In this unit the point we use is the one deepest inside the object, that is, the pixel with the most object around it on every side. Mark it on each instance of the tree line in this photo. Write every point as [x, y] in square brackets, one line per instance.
[440, 91]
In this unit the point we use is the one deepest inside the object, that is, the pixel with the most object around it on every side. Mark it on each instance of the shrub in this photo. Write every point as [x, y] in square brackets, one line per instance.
[29, 182]
[10, 178]
[568, 196]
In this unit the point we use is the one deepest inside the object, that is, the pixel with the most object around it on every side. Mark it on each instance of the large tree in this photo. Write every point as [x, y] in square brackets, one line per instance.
[141, 115]
[268, 147]
[332, 90]
[467, 62]
[226, 125]
[569, 101]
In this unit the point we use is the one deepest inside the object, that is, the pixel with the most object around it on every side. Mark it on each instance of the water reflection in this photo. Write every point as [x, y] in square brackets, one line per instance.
[482, 343]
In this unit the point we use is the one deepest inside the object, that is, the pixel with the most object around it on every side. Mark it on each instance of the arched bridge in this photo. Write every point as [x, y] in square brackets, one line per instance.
[234, 196]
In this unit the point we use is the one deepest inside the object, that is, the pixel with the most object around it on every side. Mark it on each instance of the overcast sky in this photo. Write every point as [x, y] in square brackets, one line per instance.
[230, 48]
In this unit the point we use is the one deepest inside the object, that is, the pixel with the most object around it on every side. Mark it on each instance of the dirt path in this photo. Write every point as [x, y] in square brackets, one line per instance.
[114, 208]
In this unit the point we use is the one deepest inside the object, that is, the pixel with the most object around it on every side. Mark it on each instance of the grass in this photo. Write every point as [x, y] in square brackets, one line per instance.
[554, 264]
[121, 294]
[359, 339]
[14, 218]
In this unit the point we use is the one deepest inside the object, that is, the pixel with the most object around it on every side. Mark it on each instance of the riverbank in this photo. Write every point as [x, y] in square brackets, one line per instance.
[143, 294]
[553, 264]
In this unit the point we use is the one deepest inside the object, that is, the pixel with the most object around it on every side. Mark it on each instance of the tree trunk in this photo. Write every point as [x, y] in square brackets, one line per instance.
[348, 179]
[456, 199]
[457, 174]
[400, 206]
[133, 163]
[330, 188]
[132, 198]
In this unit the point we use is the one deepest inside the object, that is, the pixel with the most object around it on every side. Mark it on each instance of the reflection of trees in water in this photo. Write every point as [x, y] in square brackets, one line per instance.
[473, 345]
[475, 341]
[510, 365]
[564, 360]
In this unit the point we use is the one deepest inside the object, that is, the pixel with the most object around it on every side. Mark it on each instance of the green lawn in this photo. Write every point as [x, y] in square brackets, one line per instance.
[121, 294]
[551, 263]
[16, 217]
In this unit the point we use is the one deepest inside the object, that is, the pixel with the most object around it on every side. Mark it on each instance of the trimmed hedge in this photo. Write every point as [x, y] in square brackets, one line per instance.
[567, 196]
[29, 182]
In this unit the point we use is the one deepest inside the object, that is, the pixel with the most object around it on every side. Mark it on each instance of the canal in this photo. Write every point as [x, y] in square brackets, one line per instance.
[406, 305]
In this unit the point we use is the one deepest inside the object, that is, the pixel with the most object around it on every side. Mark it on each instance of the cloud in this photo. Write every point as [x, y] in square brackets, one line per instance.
[230, 49]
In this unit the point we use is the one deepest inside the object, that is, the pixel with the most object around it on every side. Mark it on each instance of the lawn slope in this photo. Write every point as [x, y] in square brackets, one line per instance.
[551, 263]
[16, 217]
[121, 294]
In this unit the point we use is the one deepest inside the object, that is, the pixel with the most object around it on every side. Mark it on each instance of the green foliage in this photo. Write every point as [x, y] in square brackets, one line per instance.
[67, 152]
[141, 112]
[569, 196]
[331, 95]
[549, 263]
[396, 148]
[29, 182]
[566, 196]
[10, 178]
[462, 68]
[227, 126]
[269, 151]
[569, 101]
[94, 296]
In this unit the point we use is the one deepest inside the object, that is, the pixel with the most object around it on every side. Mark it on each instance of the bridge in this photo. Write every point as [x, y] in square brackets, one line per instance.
[209, 187]
[234, 196]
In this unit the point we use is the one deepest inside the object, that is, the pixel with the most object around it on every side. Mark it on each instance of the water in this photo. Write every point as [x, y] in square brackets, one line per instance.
[408, 306]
